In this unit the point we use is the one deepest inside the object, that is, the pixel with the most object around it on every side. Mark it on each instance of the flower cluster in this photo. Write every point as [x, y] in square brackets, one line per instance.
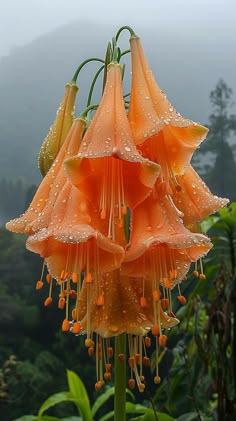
[116, 216]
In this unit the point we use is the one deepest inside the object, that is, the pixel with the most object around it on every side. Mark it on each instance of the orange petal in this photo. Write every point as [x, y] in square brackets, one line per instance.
[122, 311]
[108, 163]
[162, 134]
[195, 199]
[160, 242]
[50, 186]
[72, 248]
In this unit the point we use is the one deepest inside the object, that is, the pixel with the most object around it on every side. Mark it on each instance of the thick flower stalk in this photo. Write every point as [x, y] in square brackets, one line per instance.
[110, 218]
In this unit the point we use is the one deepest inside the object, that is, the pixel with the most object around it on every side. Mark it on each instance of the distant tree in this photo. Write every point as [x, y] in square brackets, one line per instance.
[220, 144]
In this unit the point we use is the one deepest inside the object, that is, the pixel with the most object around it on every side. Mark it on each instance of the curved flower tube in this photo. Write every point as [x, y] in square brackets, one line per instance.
[162, 134]
[194, 198]
[59, 130]
[108, 168]
[43, 202]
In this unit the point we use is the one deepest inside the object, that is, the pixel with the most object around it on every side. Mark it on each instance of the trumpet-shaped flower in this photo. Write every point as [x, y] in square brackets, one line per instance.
[163, 135]
[38, 215]
[108, 168]
[116, 307]
[59, 130]
[194, 198]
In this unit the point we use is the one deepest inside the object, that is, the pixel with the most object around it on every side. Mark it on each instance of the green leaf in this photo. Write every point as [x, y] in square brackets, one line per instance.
[27, 418]
[108, 416]
[80, 395]
[48, 418]
[102, 399]
[148, 414]
[189, 416]
[71, 419]
[55, 400]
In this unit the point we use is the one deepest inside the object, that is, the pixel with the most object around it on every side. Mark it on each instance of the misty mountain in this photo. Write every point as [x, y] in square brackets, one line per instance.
[32, 80]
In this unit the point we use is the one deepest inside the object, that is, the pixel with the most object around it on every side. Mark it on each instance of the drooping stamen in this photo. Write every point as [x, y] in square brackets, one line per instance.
[112, 201]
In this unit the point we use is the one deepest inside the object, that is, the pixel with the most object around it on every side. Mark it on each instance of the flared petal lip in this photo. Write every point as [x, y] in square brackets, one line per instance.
[176, 241]
[77, 234]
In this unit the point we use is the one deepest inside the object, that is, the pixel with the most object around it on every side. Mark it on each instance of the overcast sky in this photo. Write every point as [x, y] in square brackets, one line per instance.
[21, 21]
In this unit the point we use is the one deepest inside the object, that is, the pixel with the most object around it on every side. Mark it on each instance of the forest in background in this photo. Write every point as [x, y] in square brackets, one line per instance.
[35, 354]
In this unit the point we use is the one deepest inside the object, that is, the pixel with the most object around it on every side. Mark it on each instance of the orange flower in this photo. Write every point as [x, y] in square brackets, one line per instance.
[120, 310]
[108, 168]
[195, 199]
[161, 247]
[39, 212]
[163, 135]
[70, 243]
[59, 130]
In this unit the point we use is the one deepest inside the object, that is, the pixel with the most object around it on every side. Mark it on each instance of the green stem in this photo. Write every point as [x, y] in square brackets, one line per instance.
[83, 64]
[120, 378]
[93, 84]
[131, 31]
[87, 109]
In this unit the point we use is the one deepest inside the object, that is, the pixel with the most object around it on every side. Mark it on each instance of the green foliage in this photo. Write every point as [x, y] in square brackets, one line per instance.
[217, 154]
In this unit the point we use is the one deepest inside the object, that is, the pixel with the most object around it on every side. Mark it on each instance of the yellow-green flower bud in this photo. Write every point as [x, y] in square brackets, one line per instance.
[59, 130]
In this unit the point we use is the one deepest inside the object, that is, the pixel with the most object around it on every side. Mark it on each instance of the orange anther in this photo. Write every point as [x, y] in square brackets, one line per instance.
[64, 275]
[73, 293]
[39, 285]
[110, 351]
[61, 303]
[131, 384]
[49, 278]
[141, 378]
[146, 361]
[74, 277]
[157, 379]
[108, 367]
[173, 274]
[65, 325]
[74, 314]
[143, 302]
[131, 362]
[107, 376]
[155, 330]
[166, 282]
[91, 351]
[196, 274]
[147, 341]
[76, 328]
[48, 301]
[156, 295]
[100, 300]
[88, 278]
[137, 358]
[121, 358]
[182, 299]
[141, 387]
[88, 342]
[165, 303]
[98, 385]
[162, 340]
[202, 276]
